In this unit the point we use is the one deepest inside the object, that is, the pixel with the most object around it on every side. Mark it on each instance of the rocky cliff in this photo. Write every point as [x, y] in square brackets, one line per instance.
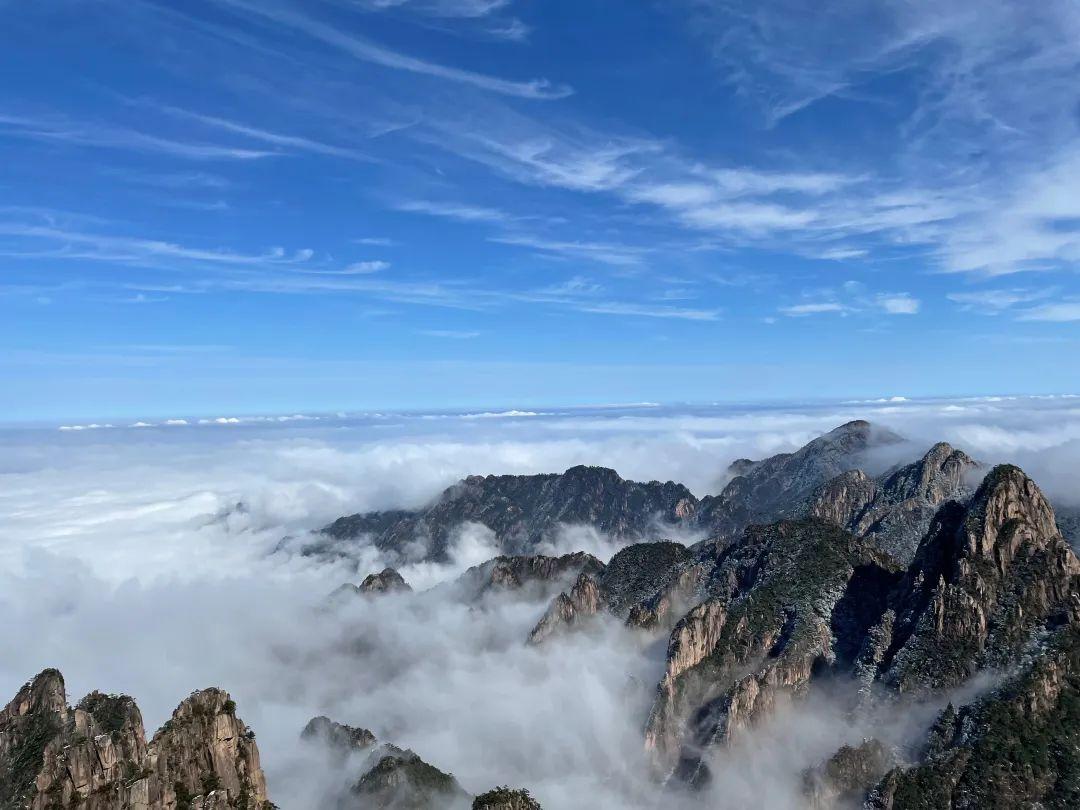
[788, 602]
[95, 755]
[795, 600]
[1018, 746]
[634, 577]
[894, 511]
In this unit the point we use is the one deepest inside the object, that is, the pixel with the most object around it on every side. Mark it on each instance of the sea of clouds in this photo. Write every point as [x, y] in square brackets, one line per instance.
[147, 558]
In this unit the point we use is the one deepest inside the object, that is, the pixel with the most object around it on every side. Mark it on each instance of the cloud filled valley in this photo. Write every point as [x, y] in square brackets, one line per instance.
[155, 561]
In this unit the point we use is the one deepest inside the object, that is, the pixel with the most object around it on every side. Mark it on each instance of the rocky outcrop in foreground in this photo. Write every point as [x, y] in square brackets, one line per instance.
[1018, 746]
[95, 756]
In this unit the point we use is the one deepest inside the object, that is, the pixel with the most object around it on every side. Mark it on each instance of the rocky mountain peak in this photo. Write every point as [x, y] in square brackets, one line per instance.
[45, 693]
[205, 748]
[986, 578]
[386, 581]
[398, 779]
[338, 738]
[503, 798]
[96, 757]
[1007, 510]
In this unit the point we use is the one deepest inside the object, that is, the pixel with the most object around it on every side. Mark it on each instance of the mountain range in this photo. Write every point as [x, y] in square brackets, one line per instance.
[828, 571]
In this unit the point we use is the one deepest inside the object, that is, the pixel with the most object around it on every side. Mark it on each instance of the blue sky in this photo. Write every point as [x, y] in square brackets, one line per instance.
[267, 205]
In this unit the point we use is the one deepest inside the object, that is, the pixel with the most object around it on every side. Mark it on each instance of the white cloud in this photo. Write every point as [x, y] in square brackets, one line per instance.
[453, 334]
[898, 303]
[458, 211]
[266, 136]
[1060, 312]
[813, 308]
[994, 302]
[372, 52]
[113, 137]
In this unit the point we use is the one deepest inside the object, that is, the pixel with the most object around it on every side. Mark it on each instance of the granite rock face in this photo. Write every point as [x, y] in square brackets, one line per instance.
[635, 576]
[790, 601]
[534, 574]
[386, 581]
[985, 580]
[895, 510]
[96, 756]
[797, 600]
[1018, 746]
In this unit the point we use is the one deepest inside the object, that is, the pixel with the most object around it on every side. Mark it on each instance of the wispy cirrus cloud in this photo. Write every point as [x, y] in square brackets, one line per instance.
[59, 130]
[461, 212]
[995, 302]
[611, 253]
[83, 245]
[1057, 312]
[451, 334]
[852, 298]
[369, 51]
[278, 139]
[441, 8]
[797, 310]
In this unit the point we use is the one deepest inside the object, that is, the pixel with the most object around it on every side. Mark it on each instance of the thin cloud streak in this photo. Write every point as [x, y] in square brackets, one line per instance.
[540, 89]
[98, 135]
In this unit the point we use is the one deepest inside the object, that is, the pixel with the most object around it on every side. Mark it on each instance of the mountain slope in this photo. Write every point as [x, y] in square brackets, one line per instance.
[775, 488]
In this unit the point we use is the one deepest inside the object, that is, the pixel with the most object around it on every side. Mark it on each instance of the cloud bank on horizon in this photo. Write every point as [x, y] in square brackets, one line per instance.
[405, 203]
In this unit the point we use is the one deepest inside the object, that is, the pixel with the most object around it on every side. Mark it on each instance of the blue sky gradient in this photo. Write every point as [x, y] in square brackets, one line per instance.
[264, 205]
